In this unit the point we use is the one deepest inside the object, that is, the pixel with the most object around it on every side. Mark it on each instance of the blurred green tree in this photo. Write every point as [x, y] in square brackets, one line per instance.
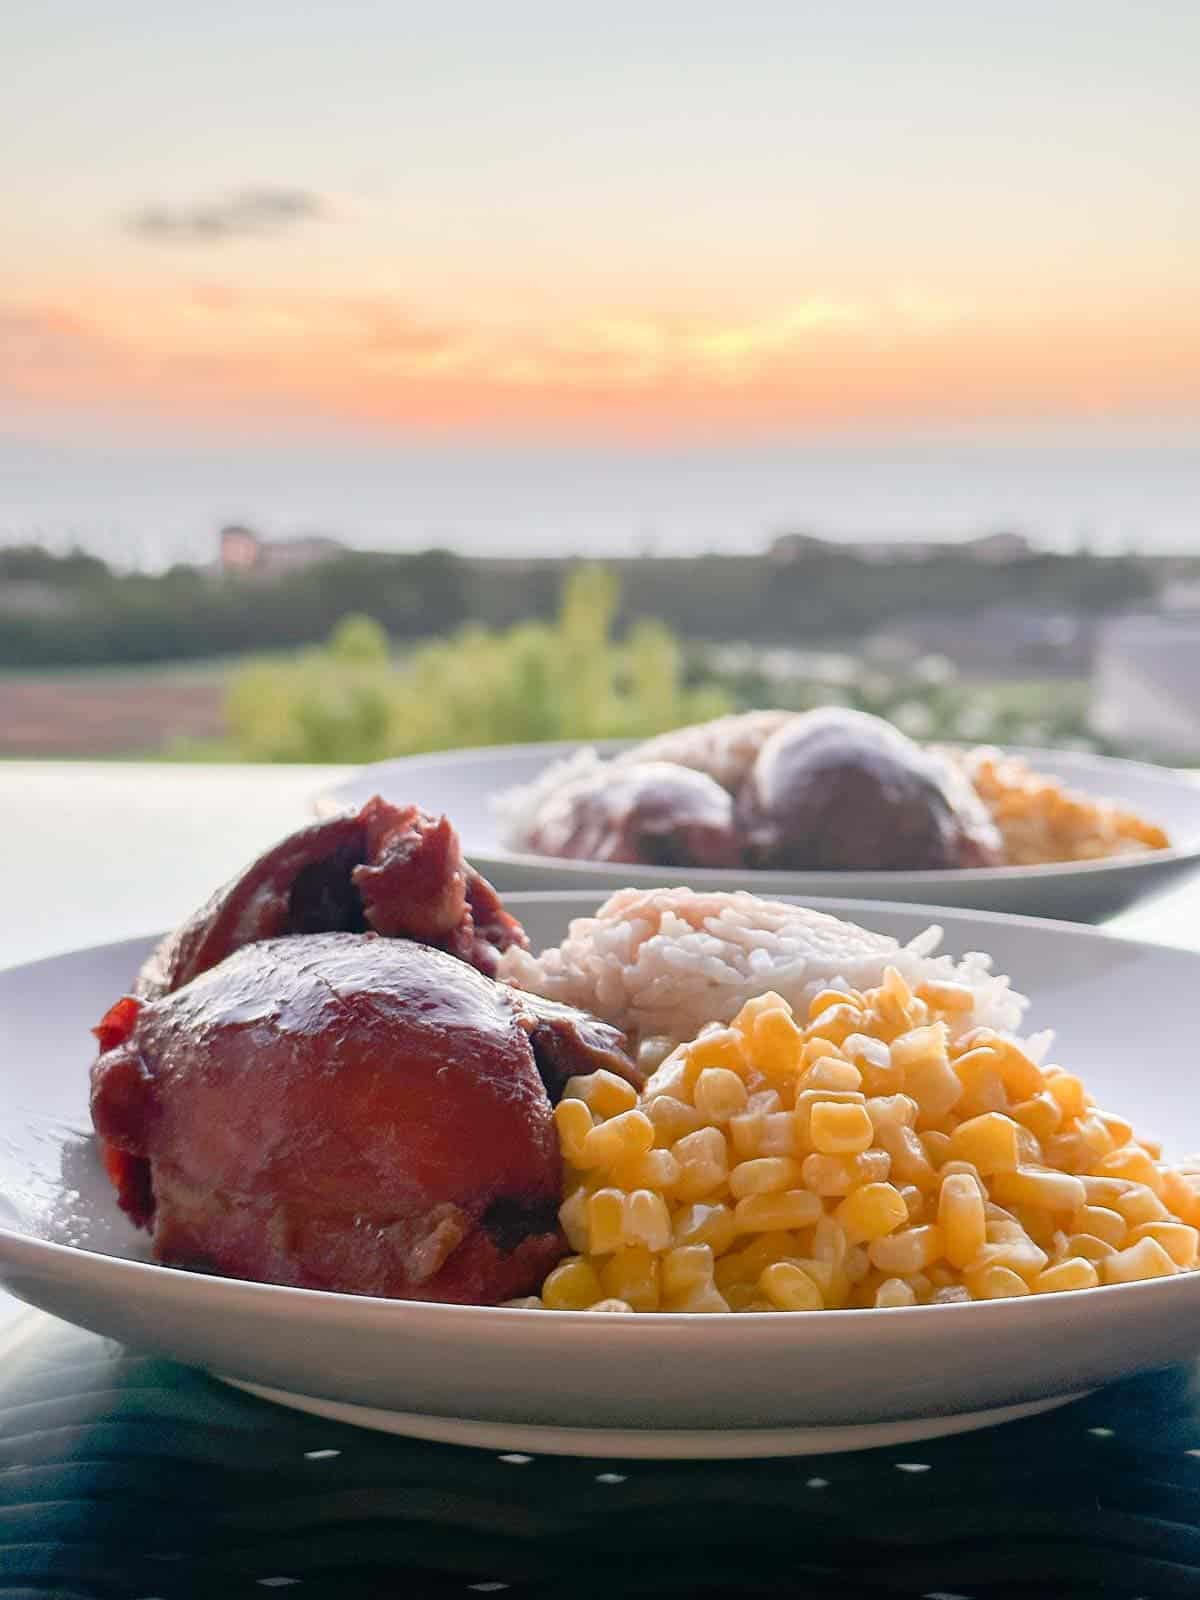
[347, 701]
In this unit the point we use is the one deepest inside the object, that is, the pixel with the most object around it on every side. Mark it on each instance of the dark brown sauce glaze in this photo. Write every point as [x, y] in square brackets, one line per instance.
[345, 1111]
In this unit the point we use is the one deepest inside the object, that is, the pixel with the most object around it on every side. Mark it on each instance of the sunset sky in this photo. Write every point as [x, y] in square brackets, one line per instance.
[629, 220]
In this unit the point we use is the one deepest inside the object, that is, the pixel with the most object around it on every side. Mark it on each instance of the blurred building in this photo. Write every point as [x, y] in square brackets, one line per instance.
[1146, 684]
[243, 552]
[988, 549]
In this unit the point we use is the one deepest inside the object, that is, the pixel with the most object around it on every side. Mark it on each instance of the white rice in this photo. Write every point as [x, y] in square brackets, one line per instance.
[663, 962]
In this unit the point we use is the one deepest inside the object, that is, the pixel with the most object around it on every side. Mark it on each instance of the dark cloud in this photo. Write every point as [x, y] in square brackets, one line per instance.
[237, 216]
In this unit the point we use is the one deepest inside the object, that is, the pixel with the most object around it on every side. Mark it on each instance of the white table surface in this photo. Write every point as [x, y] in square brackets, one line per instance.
[92, 852]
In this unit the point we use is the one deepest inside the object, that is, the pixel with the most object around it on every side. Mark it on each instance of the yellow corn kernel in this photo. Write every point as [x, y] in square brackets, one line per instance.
[1068, 1153]
[989, 1142]
[610, 1305]
[647, 1220]
[657, 1170]
[894, 1292]
[703, 1161]
[685, 1268]
[1068, 1091]
[765, 1102]
[982, 1083]
[1042, 1115]
[719, 1094]
[1152, 1147]
[909, 1250]
[1139, 1204]
[1101, 1223]
[945, 996]
[871, 1212]
[1089, 1247]
[602, 1092]
[873, 1058]
[712, 1225]
[1094, 1134]
[857, 1265]
[911, 1195]
[621, 1138]
[704, 1298]
[1041, 1226]
[759, 1133]
[1104, 1191]
[764, 1175]
[673, 1119]
[961, 1219]
[775, 1045]
[572, 1216]
[1017, 1252]
[787, 1209]
[921, 1285]
[739, 1296]
[1073, 1273]
[818, 1050]
[836, 1023]
[745, 1264]
[605, 1221]
[1029, 1186]
[572, 1285]
[829, 1241]
[910, 1163]
[994, 1282]
[928, 1075]
[955, 1295]
[806, 1099]
[631, 1274]
[1177, 1194]
[1121, 1131]
[753, 1009]
[574, 1122]
[1145, 1259]
[831, 997]
[829, 1073]
[962, 1169]
[722, 1047]
[1130, 1162]
[790, 1288]
[892, 1111]
[1022, 1077]
[936, 1145]
[838, 1129]
[837, 1175]
[1177, 1239]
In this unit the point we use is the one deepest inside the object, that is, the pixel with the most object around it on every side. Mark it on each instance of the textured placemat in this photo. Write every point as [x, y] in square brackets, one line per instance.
[128, 1478]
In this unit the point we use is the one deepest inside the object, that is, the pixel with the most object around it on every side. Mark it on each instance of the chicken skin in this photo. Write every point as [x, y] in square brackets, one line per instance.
[839, 790]
[653, 814]
[390, 869]
[344, 1111]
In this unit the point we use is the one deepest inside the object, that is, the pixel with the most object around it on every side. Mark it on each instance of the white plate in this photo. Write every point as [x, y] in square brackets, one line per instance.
[463, 784]
[1125, 1013]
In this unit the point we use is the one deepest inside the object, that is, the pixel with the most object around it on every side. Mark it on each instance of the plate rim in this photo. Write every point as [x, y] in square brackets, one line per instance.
[335, 1305]
[336, 798]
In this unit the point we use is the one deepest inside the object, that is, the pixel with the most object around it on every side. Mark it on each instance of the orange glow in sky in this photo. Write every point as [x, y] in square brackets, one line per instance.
[752, 223]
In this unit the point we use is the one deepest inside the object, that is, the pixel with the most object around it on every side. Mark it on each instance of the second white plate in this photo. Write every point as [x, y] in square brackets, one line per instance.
[464, 783]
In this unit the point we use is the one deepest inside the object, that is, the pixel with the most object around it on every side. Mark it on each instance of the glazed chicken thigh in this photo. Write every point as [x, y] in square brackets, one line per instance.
[344, 1111]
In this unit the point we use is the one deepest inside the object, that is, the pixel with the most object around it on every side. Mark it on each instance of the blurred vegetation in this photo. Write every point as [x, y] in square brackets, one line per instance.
[571, 678]
[351, 701]
[73, 610]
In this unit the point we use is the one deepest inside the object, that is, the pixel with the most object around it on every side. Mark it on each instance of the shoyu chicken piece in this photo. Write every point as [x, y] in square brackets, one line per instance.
[391, 869]
[655, 814]
[836, 789]
[344, 1112]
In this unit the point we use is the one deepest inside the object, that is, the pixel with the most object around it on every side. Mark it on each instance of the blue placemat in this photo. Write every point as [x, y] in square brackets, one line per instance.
[124, 1477]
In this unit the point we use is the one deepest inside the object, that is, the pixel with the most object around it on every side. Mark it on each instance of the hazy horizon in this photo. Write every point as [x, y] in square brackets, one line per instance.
[154, 504]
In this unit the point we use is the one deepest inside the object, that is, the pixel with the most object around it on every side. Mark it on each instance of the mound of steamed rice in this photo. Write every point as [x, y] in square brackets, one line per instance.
[661, 963]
